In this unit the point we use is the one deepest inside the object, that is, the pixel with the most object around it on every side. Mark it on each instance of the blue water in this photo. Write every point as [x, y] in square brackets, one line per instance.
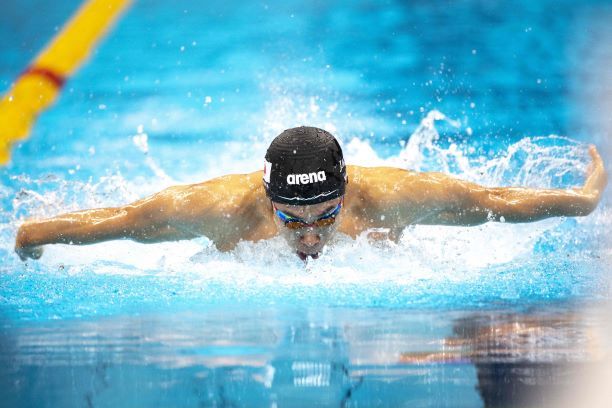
[500, 93]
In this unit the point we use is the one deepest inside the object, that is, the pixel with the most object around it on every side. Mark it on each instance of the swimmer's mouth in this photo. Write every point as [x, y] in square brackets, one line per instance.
[304, 256]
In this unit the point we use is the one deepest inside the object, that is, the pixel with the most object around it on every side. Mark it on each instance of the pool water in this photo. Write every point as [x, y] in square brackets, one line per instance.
[494, 315]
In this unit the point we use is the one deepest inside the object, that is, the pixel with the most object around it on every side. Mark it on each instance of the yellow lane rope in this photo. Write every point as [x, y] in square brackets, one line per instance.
[39, 84]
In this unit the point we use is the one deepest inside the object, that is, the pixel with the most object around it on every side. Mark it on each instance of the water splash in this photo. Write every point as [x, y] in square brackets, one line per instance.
[431, 266]
[141, 141]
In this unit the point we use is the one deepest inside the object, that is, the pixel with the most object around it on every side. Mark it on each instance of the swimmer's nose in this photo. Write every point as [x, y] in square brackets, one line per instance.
[310, 239]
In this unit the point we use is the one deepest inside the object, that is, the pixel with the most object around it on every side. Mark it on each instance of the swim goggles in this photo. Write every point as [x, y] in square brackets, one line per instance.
[297, 223]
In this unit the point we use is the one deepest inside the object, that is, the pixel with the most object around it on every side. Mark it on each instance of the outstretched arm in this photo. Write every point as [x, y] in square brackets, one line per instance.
[220, 209]
[471, 204]
[393, 198]
[152, 219]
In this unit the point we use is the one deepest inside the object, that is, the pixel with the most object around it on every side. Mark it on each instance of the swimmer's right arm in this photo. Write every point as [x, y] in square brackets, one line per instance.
[153, 219]
[215, 209]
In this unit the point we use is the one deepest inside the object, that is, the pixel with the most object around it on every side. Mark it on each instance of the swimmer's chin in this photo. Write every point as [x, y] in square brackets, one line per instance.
[309, 250]
[304, 256]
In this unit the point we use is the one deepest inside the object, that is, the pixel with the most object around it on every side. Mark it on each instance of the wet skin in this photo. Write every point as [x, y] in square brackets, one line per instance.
[235, 208]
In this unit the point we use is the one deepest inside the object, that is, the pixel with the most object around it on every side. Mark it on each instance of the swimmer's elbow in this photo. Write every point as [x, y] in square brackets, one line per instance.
[131, 222]
[152, 225]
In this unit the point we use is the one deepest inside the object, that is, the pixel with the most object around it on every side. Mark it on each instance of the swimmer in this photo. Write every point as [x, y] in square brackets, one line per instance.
[306, 193]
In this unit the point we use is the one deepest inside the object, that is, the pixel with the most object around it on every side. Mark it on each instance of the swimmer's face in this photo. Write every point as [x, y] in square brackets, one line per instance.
[309, 240]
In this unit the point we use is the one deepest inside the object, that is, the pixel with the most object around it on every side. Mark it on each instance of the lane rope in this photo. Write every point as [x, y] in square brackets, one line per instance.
[48, 74]
[38, 86]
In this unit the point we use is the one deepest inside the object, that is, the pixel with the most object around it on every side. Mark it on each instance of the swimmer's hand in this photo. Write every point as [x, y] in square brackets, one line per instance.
[23, 248]
[596, 179]
[24, 253]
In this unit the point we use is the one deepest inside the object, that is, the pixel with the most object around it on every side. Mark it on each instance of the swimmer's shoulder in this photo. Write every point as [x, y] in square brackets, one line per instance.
[239, 202]
[368, 193]
[373, 183]
[229, 191]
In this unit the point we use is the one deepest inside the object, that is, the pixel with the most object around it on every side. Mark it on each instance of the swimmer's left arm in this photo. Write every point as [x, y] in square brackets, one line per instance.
[472, 204]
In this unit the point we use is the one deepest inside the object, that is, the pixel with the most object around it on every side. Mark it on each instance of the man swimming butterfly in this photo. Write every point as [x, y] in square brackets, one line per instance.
[306, 196]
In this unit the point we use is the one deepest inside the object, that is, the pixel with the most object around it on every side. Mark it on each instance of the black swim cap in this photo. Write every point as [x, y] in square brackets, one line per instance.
[304, 166]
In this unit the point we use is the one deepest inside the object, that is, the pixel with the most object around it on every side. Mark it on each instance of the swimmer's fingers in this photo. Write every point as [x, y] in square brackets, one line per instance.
[596, 177]
[23, 247]
[596, 161]
[29, 252]
[595, 154]
[36, 252]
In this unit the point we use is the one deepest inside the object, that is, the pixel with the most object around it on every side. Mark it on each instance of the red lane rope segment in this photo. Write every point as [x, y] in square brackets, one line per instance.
[51, 76]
